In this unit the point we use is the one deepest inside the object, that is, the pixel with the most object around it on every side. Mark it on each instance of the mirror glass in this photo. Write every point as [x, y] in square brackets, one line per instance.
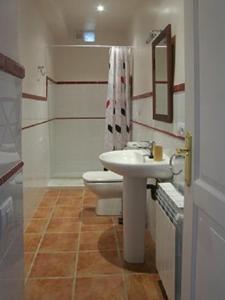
[161, 62]
[162, 76]
[161, 92]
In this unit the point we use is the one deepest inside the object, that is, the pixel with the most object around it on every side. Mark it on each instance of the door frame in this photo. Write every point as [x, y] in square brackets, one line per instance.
[191, 113]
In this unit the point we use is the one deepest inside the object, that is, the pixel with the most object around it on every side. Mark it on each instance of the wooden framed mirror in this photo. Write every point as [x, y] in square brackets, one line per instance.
[162, 76]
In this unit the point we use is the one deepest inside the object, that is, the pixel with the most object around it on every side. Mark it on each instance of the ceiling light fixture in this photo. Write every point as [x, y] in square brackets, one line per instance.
[100, 8]
[89, 36]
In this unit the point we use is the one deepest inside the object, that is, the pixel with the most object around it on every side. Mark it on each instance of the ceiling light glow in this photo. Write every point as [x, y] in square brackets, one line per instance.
[100, 8]
[89, 36]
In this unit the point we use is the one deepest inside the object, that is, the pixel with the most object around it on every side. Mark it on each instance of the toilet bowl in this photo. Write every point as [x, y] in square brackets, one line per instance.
[108, 187]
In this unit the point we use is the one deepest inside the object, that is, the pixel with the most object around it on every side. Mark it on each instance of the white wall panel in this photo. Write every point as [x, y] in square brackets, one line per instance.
[77, 145]
[77, 100]
[35, 154]
[34, 111]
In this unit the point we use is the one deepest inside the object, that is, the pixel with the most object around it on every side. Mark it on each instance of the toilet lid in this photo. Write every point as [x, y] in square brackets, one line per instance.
[102, 176]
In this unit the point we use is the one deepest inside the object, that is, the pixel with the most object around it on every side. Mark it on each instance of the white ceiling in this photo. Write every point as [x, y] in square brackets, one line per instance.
[66, 17]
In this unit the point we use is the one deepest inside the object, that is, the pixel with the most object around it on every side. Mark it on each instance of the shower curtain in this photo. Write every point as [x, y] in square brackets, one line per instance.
[118, 103]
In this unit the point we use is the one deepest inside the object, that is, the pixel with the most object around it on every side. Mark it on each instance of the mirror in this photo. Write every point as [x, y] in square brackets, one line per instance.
[162, 76]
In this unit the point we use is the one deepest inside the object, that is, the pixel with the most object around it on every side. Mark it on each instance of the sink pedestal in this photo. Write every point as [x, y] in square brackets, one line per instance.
[134, 219]
[135, 169]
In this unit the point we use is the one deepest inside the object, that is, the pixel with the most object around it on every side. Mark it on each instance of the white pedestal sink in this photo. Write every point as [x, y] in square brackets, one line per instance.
[135, 168]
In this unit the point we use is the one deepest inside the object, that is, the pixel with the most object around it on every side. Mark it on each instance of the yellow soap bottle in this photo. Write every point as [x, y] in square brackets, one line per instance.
[158, 152]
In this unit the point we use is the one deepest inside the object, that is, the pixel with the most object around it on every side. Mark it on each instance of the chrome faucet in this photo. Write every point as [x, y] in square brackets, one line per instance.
[150, 150]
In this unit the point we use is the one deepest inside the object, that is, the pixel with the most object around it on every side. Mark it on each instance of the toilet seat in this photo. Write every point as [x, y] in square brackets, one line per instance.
[108, 186]
[102, 177]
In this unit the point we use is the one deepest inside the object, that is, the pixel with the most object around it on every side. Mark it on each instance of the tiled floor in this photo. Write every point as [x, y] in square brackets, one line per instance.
[71, 254]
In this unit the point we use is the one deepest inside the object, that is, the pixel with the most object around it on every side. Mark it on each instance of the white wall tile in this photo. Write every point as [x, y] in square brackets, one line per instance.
[142, 112]
[35, 154]
[34, 38]
[34, 111]
[76, 144]
[52, 91]
[140, 133]
[150, 16]
[153, 15]
[80, 100]
[75, 147]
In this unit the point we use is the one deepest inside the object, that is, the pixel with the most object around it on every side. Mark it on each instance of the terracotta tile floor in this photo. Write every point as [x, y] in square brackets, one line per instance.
[72, 254]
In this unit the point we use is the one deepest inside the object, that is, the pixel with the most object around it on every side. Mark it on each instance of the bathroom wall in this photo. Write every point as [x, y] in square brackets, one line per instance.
[80, 63]
[156, 15]
[34, 37]
[63, 118]
[77, 105]
[9, 38]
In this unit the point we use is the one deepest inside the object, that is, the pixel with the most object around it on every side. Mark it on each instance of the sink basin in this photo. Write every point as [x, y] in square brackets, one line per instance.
[135, 168]
[133, 163]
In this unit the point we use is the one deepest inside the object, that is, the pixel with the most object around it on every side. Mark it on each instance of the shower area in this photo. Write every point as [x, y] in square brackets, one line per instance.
[77, 103]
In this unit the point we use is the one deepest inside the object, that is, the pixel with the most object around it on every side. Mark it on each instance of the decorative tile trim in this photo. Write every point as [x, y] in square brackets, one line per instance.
[176, 88]
[34, 97]
[142, 96]
[81, 82]
[36, 124]
[179, 88]
[159, 130]
[5, 177]
[63, 118]
[49, 79]
[11, 67]
[80, 118]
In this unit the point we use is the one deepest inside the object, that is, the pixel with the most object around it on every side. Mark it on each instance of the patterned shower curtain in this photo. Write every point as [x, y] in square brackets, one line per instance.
[118, 103]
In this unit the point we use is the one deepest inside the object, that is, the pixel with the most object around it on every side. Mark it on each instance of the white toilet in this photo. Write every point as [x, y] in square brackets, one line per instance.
[108, 186]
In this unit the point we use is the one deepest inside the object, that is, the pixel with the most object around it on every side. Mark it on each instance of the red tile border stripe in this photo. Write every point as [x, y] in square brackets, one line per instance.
[36, 124]
[177, 88]
[80, 118]
[34, 97]
[11, 67]
[103, 118]
[5, 177]
[159, 130]
[49, 79]
[63, 118]
[81, 82]
[142, 96]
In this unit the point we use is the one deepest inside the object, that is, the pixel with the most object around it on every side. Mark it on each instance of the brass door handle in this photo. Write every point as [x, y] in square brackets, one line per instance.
[186, 152]
[182, 151]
